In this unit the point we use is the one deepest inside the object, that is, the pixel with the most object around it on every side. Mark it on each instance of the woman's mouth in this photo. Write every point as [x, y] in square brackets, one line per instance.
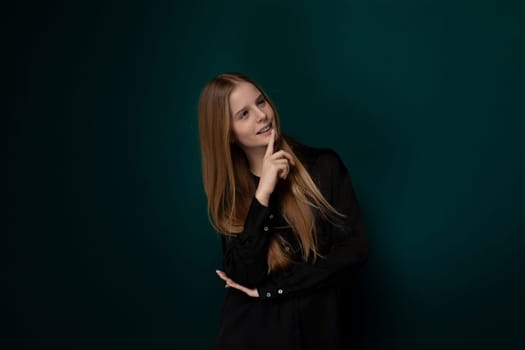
[265, 130]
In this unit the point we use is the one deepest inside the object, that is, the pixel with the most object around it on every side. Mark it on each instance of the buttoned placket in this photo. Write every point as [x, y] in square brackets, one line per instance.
[266, 228]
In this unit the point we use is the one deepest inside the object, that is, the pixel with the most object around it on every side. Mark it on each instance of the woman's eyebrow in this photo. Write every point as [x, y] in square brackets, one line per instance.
[243, 108]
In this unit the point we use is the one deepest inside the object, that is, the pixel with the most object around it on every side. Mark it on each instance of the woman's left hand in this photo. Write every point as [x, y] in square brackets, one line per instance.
[231, 283]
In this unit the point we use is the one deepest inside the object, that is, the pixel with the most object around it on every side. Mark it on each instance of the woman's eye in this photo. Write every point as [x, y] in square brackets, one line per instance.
[261, 102]
[244, 114]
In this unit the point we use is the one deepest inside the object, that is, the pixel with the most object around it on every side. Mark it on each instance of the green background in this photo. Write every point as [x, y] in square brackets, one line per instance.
[423, 100]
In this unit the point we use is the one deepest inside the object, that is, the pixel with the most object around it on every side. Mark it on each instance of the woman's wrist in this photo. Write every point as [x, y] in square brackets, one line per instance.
[262, 197]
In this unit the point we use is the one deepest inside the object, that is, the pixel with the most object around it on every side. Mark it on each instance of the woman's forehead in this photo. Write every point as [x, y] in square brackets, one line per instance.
[243, 94]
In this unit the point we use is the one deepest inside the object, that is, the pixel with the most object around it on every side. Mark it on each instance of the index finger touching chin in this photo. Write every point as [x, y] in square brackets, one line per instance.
[269, 148]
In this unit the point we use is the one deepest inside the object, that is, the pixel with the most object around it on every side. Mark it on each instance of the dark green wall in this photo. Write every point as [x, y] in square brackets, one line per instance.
[424, 100]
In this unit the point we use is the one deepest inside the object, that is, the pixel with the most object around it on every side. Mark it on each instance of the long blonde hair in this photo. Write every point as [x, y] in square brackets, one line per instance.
[230, 188]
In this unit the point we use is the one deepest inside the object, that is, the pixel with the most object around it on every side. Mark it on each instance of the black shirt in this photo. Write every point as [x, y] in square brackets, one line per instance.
[301, 307]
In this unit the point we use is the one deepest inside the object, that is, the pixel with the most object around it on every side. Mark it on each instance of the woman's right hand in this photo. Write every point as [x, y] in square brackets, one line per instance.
[275, 166]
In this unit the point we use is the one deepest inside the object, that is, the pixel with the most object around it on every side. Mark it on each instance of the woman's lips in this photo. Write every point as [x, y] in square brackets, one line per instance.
[267, 131]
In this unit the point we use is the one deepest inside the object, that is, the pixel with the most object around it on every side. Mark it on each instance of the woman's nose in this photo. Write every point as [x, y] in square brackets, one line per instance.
[261, 115]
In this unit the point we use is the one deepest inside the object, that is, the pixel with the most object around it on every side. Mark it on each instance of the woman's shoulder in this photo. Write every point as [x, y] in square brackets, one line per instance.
[316, 156]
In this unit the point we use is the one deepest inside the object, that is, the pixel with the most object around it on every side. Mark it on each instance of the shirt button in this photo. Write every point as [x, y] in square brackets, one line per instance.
[265, 228]
[268, 294]
[280, 291]
[271, 216]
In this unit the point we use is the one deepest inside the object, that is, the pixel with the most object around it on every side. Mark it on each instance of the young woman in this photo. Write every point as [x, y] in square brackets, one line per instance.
[289, 222]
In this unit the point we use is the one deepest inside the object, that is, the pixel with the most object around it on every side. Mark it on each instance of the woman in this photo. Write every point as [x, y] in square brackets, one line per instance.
[289, 222]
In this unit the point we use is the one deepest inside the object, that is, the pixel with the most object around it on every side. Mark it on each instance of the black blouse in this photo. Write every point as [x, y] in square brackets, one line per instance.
[301, 307]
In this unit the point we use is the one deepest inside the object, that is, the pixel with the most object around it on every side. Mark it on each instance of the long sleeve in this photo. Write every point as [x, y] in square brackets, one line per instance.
[245, 254]
[348, 246]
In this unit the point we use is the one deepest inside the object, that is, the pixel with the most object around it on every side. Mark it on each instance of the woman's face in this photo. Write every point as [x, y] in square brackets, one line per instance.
[250, 113]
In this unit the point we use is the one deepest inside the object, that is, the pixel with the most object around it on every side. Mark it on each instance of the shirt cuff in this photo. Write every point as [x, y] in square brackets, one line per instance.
[257, 215]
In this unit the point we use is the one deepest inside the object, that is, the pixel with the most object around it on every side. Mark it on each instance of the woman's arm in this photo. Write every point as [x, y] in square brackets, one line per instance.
[245, 254]
[349, 248]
